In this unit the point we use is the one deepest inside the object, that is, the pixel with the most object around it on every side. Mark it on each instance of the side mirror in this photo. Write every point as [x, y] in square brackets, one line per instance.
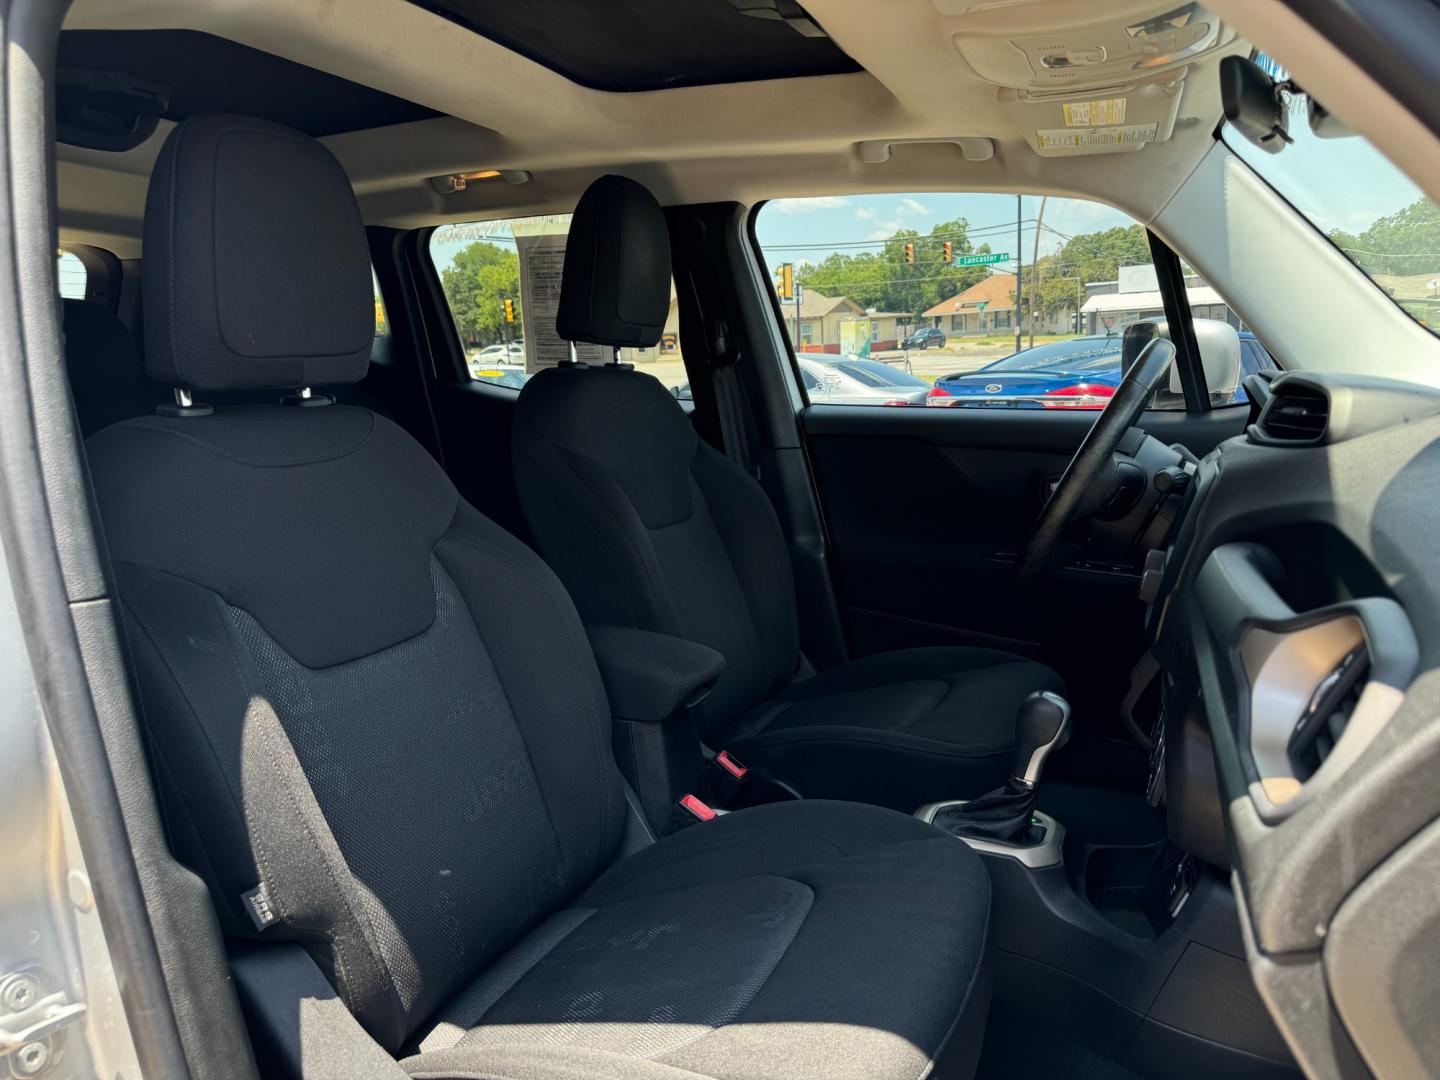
[1219, 344]
[1220, 356]
[1252, 103]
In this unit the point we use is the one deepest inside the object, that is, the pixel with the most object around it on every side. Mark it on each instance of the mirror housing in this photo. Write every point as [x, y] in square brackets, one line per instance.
[1252, 103]
[1219, 344]
[1219, 355]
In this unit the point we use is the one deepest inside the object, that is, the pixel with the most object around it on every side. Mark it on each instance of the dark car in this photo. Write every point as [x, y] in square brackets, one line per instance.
[1080, 373]
[925, 338]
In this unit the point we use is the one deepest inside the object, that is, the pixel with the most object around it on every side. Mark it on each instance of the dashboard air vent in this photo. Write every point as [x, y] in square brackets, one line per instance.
[1328, 712]
[1296, 414]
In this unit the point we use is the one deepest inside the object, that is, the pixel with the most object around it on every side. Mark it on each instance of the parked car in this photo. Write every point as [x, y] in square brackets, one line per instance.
[849, 380]
[502, 364]
[854, 380]
[925, 338]
[1079, 373]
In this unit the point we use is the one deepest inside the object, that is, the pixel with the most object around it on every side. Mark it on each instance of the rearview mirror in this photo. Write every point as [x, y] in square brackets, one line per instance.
[1252, 103]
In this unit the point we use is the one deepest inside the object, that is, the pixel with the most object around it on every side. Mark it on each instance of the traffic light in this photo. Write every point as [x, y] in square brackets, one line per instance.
[949, 249]
[509, 309]
[909, 253]
[787, 281]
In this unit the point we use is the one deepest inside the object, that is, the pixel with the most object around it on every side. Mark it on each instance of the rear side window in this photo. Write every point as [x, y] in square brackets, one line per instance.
[72, 276]
[501, 280]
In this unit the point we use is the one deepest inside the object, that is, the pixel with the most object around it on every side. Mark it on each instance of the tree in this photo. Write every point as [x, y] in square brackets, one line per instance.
[884, 280]
[1405, 242]
[476, 284]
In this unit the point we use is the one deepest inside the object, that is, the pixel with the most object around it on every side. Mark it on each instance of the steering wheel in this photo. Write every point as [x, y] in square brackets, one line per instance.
[1072, 495]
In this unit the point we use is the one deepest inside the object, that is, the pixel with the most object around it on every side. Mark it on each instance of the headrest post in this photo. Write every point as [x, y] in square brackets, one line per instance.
[184, 405]
[572, 362]
[305, 398]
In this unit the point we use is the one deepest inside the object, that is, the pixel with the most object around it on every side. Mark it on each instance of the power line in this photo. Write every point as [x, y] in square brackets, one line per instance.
[979, 230]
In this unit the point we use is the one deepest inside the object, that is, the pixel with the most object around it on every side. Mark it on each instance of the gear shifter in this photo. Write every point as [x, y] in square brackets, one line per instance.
[1043, 725]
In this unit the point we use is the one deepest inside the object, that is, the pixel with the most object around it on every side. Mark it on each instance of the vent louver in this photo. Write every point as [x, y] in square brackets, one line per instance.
[1296, 414]
[1327, 713]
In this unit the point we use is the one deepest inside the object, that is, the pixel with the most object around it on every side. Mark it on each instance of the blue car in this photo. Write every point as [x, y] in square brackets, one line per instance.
[1080, 373]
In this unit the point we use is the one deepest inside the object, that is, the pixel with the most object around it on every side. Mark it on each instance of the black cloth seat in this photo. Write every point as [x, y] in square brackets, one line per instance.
[650, 527]
[379, 731]
[104, 368]
[757, 936]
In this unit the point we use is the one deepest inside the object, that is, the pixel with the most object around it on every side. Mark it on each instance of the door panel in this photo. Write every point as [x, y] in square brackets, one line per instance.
[923, 507]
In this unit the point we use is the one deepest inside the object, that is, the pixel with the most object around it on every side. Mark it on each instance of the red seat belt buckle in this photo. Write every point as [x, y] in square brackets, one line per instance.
[730, 765]
[694, 805]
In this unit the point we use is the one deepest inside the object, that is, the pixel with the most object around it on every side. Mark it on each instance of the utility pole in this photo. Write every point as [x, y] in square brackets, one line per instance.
[1019, 269]
[1035, 268]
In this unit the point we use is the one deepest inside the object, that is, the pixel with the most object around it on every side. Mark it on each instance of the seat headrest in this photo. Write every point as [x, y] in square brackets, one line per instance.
[616, 286]
[257, 270]
[100, 354]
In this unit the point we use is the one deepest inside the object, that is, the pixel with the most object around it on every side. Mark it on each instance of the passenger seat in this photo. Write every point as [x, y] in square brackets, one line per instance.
[382, 739]
[104, 368]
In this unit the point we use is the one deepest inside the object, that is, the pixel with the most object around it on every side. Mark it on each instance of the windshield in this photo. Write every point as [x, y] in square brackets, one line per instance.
[1363, 204]
[1081, 354]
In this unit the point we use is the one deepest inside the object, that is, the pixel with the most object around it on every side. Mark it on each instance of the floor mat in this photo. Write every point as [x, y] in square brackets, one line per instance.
[1019, 1046]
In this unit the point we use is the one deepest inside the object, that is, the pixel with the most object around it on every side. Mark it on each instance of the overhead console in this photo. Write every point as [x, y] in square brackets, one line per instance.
[1088, 77]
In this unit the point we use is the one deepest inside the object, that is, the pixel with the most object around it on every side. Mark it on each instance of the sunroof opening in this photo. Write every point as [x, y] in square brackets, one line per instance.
[198, 72]
[654, 44]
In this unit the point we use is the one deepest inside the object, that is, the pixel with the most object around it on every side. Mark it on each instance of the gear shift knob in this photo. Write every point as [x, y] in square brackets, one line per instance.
[1041, 726]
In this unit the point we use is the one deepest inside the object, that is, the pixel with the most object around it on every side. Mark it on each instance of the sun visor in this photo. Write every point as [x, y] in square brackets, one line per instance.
[1103, 120]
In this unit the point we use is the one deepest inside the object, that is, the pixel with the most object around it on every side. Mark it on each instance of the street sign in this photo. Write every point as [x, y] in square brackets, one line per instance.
[981, 260]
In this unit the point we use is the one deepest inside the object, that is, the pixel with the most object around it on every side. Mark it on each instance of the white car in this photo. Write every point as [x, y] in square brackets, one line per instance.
[857, 380]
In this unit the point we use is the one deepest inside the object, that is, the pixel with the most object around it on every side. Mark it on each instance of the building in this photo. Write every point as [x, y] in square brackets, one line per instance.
[988, 307]
[1110, 306]
[815, 323]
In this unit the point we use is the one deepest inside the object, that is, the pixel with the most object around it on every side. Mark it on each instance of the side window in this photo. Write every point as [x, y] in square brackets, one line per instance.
[502, 283]
[966, 300]
[72, 275]
[382, 323]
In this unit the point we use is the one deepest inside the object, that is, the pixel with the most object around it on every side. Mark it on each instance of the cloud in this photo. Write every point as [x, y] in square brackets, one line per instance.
[886, 229]
[865, 213]
[808, 206]
[911, 206]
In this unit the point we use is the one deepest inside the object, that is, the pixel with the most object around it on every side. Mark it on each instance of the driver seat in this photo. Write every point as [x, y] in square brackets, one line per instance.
[650, 527]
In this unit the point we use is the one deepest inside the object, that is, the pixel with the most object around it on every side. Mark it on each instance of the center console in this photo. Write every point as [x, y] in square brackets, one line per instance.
[1124, 942]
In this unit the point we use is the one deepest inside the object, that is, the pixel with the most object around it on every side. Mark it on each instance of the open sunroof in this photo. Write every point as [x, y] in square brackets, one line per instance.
[200, 72]
[650, 44]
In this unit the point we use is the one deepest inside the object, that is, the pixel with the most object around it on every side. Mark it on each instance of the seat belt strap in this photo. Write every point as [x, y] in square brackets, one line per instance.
[736, 423]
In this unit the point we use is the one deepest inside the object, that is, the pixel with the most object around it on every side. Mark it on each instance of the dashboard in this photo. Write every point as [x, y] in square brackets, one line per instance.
[1297, 631]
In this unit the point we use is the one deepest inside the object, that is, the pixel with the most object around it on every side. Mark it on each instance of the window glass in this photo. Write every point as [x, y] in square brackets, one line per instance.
[72, 276]
[382, 323]
[924, 286]
[501, 280]
[1363, 204]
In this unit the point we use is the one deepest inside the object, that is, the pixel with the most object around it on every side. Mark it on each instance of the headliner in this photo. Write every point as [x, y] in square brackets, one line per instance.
[742, 141]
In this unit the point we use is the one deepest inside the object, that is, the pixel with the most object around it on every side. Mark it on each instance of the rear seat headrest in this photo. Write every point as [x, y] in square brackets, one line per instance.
[616, 286]
[100, 355]
[257, 270]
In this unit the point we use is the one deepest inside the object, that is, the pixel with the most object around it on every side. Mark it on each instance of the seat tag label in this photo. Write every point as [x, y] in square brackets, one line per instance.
[257, 905]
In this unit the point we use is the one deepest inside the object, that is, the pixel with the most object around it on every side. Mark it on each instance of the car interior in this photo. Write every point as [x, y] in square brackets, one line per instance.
[435, 711]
